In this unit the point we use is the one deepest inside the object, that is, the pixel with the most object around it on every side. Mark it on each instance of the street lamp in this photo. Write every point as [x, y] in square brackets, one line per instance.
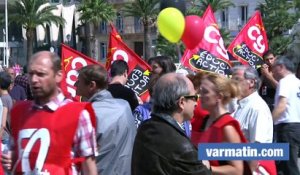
[4, 47]
[239, 25]
[52, 49]
[68, 39]
[12, 49]
[6, 35]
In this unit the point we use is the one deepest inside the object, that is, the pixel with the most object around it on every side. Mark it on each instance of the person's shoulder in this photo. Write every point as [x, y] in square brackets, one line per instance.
[225, 120]
[18, 88]
[6, 98]
[119, 104]
[69, 102]
[22, 104]
[288, 78]
[159, 128]
[260, 105]
[125, 88]
[165, 137]
[144, 106]
[69, 105]
[114, 85]
[153, 123]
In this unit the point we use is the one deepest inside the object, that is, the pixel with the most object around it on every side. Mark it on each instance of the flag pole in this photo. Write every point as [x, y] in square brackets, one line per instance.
[6, 36]
[178, 54]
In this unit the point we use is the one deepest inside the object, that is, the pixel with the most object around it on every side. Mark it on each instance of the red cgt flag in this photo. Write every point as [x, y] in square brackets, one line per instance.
[139, 70]
[111, 45]
[210, 55]
[251, 43]
[72, 61]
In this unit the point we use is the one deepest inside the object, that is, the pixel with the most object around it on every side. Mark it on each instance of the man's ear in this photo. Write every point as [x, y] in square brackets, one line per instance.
[92, 85]
[181, 103]
[58, 76]
[251, 83]
[125, 74]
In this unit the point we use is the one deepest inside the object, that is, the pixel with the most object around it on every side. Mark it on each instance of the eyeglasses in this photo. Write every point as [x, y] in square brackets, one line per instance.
[195, 97]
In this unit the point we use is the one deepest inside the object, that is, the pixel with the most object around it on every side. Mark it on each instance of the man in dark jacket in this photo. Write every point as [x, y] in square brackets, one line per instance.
[161, 146]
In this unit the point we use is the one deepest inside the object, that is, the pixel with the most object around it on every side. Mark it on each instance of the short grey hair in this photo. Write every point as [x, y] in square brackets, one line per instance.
[167, 91]
[284, 60]
[249, 73]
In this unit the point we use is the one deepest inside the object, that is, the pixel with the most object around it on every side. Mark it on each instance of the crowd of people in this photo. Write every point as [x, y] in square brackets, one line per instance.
[111, 132]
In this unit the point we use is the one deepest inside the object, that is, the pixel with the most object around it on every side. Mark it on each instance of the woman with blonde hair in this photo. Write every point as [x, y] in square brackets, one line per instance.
[216, 92]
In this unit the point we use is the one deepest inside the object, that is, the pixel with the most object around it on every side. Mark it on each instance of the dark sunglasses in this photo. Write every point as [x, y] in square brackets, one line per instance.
[195, 97]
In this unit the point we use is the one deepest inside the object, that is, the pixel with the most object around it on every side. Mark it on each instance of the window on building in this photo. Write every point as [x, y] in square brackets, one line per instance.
[60, 35]
[139, 48]
[103, 27]
[119, 25]
[55, 1]
[244, 14]
[137, 24]
[47, 36]
[224, 18]
[103, 51]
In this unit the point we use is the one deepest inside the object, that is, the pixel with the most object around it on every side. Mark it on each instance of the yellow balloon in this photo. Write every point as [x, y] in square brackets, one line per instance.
[170, 24]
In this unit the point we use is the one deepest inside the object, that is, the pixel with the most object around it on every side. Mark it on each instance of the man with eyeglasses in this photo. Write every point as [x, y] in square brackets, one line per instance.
[161, 146]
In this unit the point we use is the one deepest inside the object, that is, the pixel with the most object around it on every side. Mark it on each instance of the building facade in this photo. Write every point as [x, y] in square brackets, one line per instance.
[130, 28]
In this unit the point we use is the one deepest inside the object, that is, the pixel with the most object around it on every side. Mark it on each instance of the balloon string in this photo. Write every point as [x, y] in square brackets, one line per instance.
[178, 51]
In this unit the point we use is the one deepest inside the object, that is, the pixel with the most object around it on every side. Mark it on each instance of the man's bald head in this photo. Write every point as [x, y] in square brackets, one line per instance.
[167, 90]
[54, 59]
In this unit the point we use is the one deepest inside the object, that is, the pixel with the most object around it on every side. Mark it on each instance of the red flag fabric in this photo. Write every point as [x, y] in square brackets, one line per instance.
[111, 44]
[72, 61]
[210, 55]
[139, 70]
[251, 43]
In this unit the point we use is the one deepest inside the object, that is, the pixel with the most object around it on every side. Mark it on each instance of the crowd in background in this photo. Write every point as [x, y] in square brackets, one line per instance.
[112, 132]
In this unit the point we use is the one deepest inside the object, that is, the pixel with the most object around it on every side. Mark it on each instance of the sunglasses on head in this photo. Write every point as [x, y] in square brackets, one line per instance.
[195, 97]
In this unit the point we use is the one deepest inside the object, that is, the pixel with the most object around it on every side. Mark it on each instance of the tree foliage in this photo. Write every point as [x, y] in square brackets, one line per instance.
[279, 16]
[32, 13]
[164, 47]
[96, 11]
[147, 11]
[199, 6]
[92, 13]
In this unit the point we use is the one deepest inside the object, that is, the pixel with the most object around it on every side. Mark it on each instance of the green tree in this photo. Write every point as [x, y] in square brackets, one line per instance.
[92, 13]
[32, 13]
[164, 47]
[199, 6]
[279, 16]
[147, 11]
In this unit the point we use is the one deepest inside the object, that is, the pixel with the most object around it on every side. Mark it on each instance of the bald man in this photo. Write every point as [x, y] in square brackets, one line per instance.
[52, 132]
[161, 145]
